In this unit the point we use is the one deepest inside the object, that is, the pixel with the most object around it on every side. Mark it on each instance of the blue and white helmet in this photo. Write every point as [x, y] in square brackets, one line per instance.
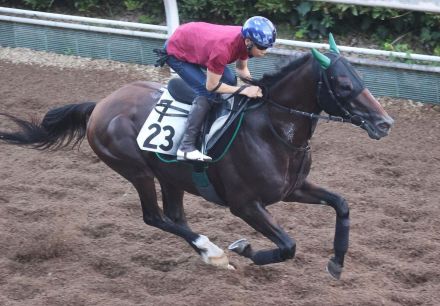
[260, 31]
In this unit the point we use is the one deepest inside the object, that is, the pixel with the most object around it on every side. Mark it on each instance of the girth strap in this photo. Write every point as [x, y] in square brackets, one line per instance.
[204, 186]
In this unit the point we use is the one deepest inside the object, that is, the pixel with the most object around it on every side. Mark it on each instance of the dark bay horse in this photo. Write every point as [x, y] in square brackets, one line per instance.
[268, 162]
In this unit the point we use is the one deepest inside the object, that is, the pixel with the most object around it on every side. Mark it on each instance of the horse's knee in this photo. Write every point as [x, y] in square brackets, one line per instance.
[341, 207]
[288, 250]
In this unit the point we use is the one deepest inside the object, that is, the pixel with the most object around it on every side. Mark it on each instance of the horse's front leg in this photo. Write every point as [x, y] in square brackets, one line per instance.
[309, 193]
[260, 219]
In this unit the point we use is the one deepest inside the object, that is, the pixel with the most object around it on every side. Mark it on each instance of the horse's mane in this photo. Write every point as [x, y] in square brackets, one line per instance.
[270, 79]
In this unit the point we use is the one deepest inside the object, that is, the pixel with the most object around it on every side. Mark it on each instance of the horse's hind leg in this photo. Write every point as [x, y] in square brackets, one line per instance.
[120, 152]
[153, 215]
[172, 199]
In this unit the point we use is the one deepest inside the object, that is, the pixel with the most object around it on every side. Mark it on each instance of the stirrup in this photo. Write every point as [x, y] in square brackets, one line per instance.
[193, 155]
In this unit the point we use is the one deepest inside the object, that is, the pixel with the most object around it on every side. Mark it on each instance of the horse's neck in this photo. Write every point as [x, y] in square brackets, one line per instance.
[297, 90]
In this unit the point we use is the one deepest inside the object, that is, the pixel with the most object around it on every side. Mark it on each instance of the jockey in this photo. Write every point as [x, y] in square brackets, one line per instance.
[199, 53]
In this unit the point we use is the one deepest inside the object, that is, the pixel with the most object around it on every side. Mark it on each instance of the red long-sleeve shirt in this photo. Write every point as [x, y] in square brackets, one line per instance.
[210, 45]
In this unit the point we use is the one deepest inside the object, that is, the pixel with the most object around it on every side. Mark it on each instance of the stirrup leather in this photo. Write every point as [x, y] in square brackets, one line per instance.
[193, 155]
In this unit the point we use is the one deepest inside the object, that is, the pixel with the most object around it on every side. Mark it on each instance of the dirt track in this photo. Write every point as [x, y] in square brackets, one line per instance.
[71, 231]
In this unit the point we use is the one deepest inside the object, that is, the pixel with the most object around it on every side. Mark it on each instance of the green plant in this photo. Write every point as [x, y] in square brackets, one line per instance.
[298, 19]
[194, 9]
[147, 19]
[403, 48]
[243, 10]
[39, 4]
[388, 46]
[133, 5]
[156, 9]
[300, 33]
[280, 10]
[86, 5]
[437, 50]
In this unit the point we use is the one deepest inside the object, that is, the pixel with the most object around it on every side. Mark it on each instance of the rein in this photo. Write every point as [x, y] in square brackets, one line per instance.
[293, 111]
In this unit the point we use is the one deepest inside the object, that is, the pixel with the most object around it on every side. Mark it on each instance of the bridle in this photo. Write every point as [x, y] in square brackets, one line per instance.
[347, 117]
[323, 80]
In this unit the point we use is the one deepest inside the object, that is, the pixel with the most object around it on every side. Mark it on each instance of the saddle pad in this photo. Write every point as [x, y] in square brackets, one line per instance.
[164, 127]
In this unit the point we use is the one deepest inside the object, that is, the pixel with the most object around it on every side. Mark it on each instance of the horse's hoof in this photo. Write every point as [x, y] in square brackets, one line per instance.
[210, 253]
[334, 269]
[238, 246]
[219, 261]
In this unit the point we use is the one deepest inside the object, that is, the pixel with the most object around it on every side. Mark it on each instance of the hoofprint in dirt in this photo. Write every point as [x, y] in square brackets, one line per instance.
[71, 229]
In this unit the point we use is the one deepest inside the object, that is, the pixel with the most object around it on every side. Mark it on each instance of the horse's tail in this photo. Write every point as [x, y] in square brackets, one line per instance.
[59, 127]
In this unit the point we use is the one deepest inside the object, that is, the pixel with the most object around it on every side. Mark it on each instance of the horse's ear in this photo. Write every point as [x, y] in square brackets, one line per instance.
[323, 60]
[333, 46]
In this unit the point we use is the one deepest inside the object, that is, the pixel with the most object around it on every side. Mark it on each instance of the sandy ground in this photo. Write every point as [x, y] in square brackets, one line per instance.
[71, 231]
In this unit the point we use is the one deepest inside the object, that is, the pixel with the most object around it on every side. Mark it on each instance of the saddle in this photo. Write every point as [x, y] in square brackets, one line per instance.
[223, 113]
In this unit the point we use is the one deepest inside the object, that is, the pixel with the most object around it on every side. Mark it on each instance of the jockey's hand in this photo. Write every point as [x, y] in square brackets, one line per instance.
[252, 92]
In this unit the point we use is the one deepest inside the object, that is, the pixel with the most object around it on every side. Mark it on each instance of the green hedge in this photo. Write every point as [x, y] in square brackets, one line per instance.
[393, 29]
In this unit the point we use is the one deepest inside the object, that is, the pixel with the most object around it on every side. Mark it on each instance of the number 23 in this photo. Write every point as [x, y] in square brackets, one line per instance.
[157, 129]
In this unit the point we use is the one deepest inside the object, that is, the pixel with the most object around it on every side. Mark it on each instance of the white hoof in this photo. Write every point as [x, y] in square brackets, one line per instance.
[221, 262]
[212, 254]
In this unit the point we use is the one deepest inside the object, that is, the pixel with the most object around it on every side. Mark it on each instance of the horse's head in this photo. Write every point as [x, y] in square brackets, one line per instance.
[341, 92]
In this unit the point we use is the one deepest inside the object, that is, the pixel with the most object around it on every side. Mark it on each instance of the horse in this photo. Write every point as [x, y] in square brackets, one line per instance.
[268, 161]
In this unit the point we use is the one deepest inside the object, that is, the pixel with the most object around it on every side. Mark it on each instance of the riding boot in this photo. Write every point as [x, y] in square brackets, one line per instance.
[196, 117]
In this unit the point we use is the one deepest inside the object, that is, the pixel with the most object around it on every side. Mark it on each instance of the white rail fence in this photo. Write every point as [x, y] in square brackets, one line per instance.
[133, 42]
[163, 32]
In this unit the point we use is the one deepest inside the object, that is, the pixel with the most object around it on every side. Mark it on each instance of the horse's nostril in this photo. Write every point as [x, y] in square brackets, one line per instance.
[384, 126]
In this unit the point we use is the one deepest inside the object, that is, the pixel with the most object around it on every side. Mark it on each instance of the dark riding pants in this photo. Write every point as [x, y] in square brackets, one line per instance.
[195, 76]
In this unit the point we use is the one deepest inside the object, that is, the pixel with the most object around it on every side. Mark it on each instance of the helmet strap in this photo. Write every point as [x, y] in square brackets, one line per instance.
[249, 48]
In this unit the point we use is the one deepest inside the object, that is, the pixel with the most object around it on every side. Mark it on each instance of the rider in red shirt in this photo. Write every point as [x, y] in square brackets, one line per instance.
[199, 53]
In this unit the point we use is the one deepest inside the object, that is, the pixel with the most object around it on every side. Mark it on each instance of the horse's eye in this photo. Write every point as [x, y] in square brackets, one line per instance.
[347, 87]
[344, 83]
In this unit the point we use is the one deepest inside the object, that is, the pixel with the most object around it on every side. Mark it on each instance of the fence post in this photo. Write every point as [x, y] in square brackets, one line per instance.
[172, 15]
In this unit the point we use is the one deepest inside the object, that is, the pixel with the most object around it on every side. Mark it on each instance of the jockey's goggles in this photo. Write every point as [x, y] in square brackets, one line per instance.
[260, 47]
